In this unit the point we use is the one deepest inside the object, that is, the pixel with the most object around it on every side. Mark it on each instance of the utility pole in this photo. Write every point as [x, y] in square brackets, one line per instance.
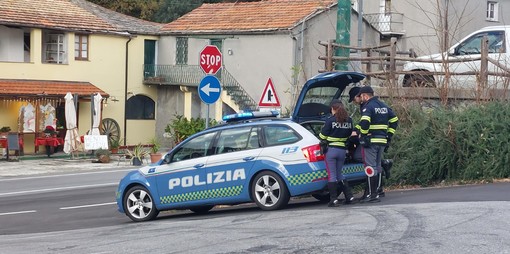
[360, 25]
[343, 37]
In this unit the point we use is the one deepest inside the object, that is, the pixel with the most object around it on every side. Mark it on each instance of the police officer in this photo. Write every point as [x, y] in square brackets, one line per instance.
[377, 125]
[356, 152]
[336, 130]
[354, 147]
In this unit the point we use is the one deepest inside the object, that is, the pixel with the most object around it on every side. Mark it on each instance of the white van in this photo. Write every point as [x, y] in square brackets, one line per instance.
[466, 50]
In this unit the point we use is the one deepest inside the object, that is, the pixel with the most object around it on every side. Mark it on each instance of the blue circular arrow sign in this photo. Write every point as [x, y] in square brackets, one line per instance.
[209, 89]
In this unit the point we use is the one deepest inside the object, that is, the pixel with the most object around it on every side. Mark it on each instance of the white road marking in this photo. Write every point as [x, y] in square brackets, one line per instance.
[20, 212]
[85, 206]
[57, 189]
[75, 174]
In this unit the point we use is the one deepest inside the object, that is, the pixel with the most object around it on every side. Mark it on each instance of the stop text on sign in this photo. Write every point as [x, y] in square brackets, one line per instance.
[210, 60]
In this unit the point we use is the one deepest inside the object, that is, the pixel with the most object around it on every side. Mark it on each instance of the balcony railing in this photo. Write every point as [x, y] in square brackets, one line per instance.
[387, 23]
[191, 75]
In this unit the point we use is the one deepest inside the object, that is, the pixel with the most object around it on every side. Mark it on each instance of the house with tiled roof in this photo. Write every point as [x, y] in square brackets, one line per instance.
[51, 47]
[272, 39]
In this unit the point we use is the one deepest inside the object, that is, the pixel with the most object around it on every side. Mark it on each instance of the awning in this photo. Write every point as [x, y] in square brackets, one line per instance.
[27, 89]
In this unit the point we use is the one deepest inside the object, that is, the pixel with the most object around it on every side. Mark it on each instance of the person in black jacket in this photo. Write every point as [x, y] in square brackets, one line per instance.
[377, 126]
[336, 130]
[354, 153]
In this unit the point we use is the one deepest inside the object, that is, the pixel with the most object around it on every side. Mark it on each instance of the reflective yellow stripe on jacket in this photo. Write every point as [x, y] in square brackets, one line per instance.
[333, 141]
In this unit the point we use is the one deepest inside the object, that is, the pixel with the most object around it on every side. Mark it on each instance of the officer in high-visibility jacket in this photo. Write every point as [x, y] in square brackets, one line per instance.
[336, 131]
[377, 125]
[355, 148]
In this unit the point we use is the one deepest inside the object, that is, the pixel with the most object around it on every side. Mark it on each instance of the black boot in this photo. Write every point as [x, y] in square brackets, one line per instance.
[373, 184]
[386, 165]
[333, 201]
[346, 189]
[366, 193]
[380, 191]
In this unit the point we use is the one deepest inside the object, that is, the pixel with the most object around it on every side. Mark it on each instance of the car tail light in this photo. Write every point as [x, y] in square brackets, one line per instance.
[313, 153]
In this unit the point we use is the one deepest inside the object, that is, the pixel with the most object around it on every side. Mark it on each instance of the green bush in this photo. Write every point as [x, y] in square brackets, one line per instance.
[181, 128]
[470, 143]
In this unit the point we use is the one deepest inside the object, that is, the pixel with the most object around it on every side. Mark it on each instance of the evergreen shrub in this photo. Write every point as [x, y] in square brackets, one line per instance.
[452, 144]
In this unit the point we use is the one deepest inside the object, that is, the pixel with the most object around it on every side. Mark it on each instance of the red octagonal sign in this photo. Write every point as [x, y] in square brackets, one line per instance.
[210, 59]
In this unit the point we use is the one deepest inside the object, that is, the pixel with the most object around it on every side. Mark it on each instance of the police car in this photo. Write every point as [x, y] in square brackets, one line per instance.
[253, 157]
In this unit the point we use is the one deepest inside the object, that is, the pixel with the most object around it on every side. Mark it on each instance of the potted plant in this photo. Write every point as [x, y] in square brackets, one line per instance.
[103, 155]
[138, 153]
[154, 152]
[115, 144]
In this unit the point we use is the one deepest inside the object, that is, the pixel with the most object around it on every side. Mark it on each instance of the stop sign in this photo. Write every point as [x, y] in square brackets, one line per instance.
[210, 59]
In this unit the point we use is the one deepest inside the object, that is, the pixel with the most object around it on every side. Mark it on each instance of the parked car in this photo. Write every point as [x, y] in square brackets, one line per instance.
[467, 50]
[250, 158]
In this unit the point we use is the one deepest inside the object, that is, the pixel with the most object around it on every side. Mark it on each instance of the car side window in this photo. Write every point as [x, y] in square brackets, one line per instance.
[194, 148]
[232, 140]
[473, 45]
[496, 42]
[279, 135]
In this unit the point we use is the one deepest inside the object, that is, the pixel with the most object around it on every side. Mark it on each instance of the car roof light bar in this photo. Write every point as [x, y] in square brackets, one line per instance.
[250, 115]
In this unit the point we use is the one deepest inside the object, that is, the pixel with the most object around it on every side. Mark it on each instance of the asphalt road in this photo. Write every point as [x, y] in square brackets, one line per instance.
[81, 218]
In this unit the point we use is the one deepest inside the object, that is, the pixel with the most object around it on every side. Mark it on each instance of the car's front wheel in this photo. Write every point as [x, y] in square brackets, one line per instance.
[269, 191]
[139, 204]
[419, 80]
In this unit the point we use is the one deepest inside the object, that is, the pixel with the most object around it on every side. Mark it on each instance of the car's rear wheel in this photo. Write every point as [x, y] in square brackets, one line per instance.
[269, 191]
[419, 81]
[202, 209]
[139, 204]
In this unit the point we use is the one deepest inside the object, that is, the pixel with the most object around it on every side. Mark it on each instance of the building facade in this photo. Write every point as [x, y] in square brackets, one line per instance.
[277, 40]
[49, 48]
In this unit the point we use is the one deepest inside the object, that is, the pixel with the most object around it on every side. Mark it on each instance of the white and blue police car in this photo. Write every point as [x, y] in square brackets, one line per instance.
[253, 157]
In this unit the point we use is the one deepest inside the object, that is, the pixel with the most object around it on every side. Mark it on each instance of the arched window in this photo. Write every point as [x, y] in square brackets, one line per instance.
[140, 107]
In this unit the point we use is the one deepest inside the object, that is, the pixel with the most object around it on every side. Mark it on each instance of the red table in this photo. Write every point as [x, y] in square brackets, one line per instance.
[51, 142]
[5, 144]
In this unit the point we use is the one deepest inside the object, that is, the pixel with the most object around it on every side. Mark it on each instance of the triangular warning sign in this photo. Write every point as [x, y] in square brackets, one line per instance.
[269, 97]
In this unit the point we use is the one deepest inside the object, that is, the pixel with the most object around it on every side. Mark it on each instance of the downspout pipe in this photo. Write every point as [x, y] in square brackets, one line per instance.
[298, 55]
[126, 68]
[360, 24]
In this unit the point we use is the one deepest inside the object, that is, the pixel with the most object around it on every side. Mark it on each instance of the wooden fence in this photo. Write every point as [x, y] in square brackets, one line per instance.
[385, 62]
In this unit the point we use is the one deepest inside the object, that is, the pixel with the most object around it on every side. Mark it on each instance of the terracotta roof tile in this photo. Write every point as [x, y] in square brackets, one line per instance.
[76, 15]
[247, 16]
[30, 88]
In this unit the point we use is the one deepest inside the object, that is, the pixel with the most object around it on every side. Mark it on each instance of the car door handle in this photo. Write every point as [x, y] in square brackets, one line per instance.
[199, 165]
[248, 158]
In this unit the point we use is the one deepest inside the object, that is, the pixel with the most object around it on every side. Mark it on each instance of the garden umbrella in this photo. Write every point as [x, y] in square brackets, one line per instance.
[96, 114]
[72, 139]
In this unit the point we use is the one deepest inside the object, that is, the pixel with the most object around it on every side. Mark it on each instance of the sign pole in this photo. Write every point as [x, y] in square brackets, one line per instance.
[207, 118]
[209, 90]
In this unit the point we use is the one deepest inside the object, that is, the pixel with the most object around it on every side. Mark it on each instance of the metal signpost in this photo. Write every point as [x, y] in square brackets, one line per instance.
[209, 90]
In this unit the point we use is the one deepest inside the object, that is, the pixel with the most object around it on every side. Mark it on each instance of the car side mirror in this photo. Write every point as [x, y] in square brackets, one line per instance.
[166, 160]
[451, 52]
